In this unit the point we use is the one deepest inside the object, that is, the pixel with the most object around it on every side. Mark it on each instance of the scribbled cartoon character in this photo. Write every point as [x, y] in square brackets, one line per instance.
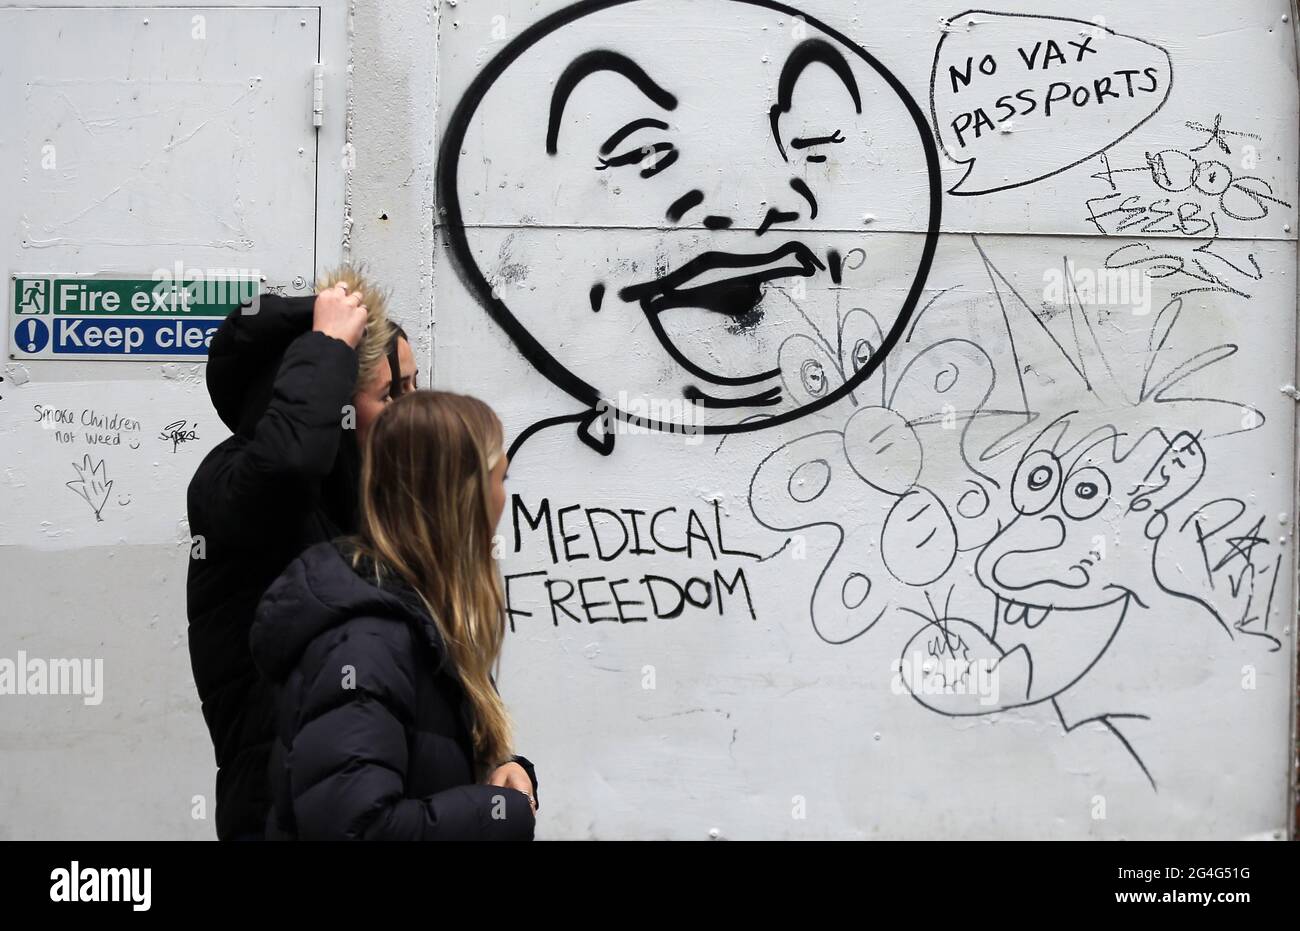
[1021, 540]
[693, 212]
[892, 483]
[1081, 553]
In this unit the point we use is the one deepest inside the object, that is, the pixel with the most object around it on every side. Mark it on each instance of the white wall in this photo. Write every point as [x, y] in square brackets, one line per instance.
[751, 721]
[1154, 698]
[182, 146]
[394, 85]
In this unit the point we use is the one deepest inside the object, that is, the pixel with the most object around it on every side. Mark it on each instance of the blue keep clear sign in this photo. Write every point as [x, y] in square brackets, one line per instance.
[101, 317]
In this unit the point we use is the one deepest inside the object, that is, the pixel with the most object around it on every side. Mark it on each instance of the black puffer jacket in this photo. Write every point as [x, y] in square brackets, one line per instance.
[285, 480]
[374, 727]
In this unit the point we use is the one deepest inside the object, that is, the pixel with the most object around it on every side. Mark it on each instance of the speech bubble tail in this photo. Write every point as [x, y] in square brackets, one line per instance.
[954, 190]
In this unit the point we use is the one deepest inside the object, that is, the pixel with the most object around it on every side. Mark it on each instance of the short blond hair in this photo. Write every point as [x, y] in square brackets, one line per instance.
[373, 348]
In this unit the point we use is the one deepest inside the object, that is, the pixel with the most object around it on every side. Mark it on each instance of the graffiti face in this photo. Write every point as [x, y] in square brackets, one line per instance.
[1080, 548]
[687, 202]
[1047, 556]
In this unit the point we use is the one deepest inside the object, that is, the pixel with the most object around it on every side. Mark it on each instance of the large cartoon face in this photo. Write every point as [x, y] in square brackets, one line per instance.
[653, 196]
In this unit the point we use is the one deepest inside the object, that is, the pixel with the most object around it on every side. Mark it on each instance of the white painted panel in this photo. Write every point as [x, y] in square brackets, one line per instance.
[1087, 412]
[137, 139]
[876, 172]
[190, 138]
[89, 467]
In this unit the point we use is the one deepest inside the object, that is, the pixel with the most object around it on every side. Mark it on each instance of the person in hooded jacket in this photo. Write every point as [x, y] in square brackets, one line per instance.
[297, 380]
[382, 648]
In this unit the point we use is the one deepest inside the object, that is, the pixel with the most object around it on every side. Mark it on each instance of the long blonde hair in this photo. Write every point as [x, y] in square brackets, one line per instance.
[425, 499]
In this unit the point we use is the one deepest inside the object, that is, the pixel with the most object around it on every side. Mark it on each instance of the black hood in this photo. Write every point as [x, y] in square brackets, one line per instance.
[243, 361]
[321, 590]
[245, 355]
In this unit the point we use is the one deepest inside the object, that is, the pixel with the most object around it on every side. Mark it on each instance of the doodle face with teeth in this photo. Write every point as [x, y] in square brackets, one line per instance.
[1066, 569]
[654, 216]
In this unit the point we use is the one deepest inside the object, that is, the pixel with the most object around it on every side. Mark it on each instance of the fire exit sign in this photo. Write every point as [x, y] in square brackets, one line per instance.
[161, 317]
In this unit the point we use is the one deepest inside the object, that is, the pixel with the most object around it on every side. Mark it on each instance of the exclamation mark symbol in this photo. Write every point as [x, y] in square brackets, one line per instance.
[31, 335]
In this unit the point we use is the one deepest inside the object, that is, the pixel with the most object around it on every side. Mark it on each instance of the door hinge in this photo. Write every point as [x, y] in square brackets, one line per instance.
[318, 95]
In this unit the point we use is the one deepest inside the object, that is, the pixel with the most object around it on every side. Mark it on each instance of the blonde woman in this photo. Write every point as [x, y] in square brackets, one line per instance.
[297, 380]
[382, 648]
